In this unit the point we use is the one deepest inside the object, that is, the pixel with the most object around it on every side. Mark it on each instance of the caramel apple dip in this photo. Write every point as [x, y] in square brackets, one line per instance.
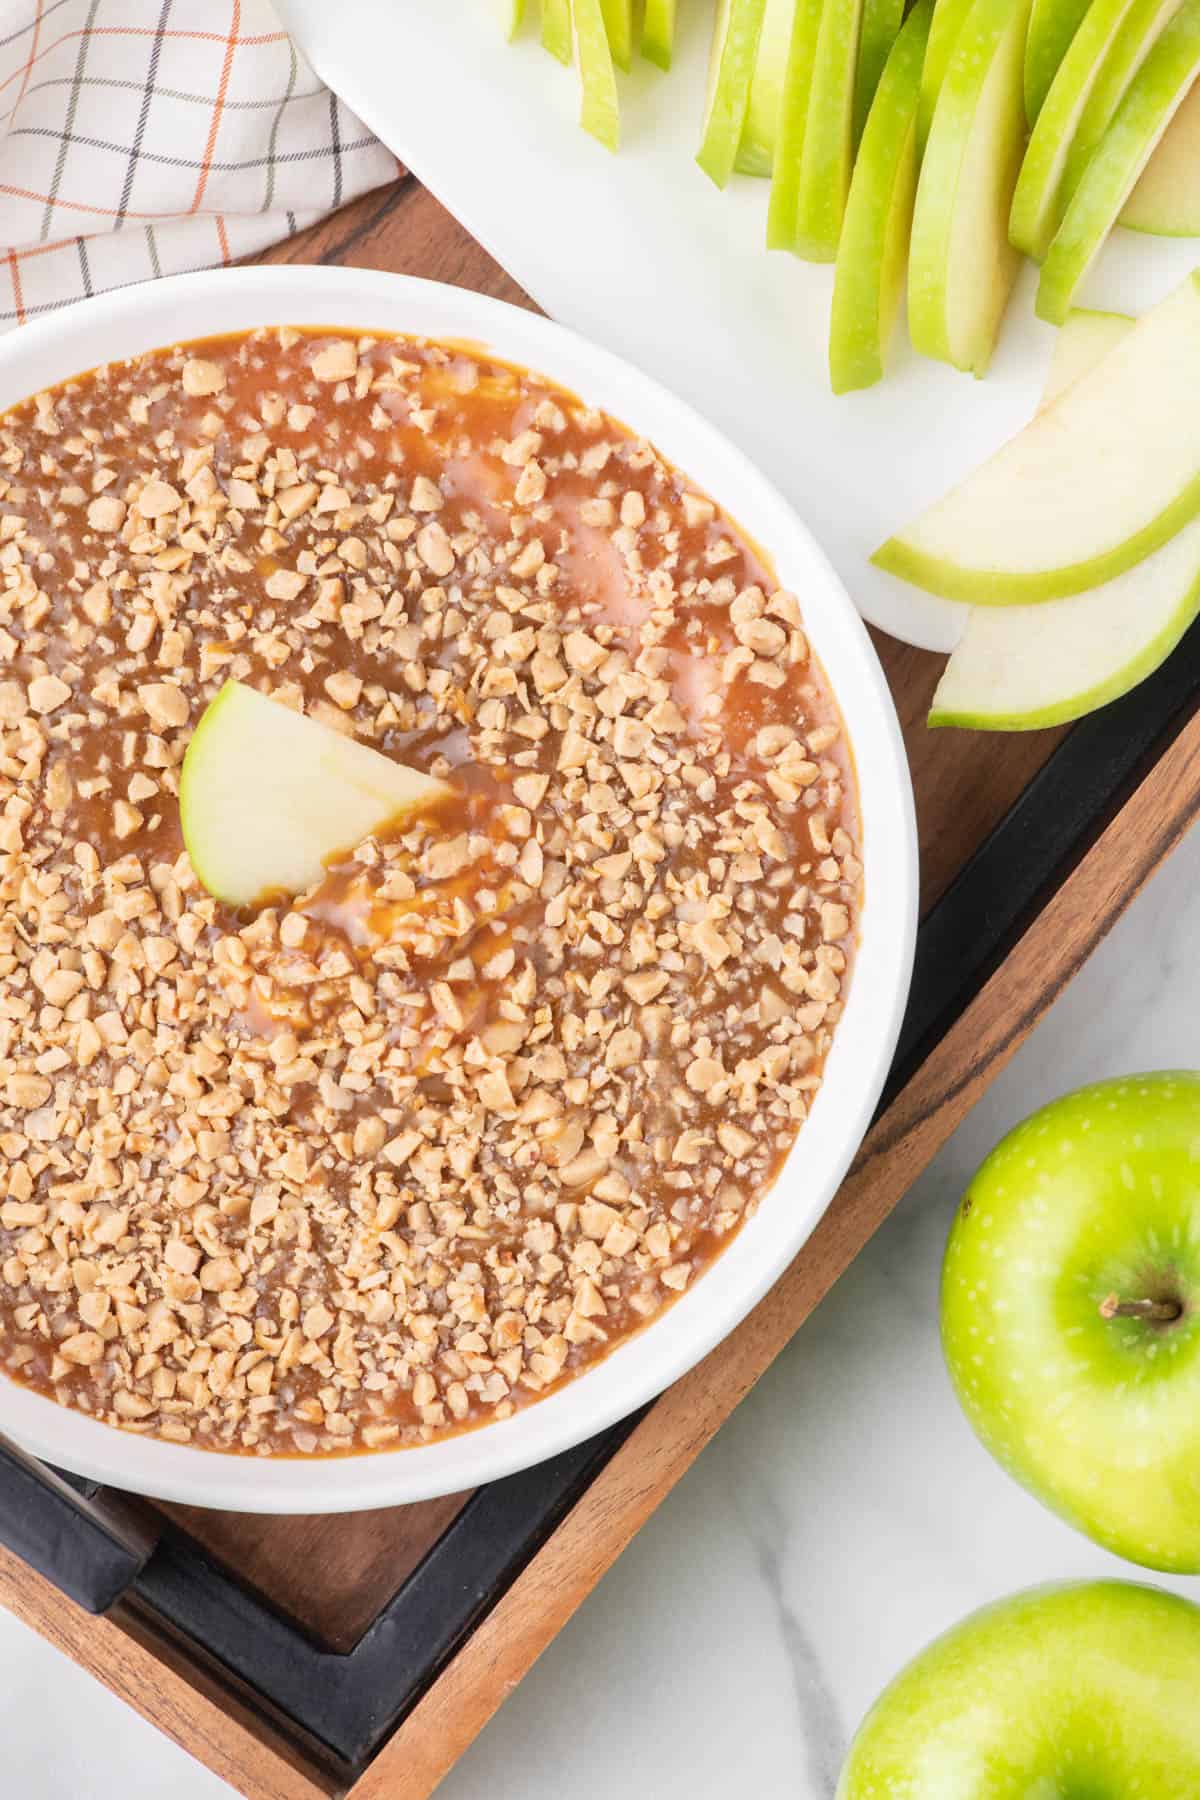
[356, 1167]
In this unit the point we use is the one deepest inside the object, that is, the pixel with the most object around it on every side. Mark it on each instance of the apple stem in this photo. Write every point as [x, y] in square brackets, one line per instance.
[1165, 1310]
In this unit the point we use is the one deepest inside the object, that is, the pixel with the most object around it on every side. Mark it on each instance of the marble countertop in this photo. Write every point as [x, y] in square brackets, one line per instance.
[842, 1517]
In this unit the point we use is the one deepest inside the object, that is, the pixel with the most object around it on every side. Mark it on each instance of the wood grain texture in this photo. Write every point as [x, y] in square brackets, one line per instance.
[142, 1669]
[664, 1445]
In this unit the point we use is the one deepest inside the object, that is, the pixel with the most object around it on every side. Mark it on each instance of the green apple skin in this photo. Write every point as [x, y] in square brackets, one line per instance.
[1153, 98]
[793, 121]
[949, 17]
[658, 32]
[828, 156]
[1052, 28]
[1085, 1691]
[1166, 200]
[556, 29]
[736, 31]
[1140, 30]
[881, 22]
[961, 265]
[869, 278]
[1096, 1196]
[1038, 200]
[756, 151]
[618, 23]
[600, 110]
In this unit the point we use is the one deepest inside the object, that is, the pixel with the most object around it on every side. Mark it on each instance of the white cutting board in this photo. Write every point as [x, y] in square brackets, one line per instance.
[641, 253]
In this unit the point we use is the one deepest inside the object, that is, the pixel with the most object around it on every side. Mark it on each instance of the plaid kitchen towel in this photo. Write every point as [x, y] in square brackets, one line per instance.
[144, 137]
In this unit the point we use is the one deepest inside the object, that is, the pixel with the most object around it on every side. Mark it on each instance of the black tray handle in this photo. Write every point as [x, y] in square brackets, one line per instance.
[92, 1550]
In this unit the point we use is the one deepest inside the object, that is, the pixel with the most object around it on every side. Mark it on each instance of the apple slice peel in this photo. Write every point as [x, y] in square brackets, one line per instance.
[267, 796]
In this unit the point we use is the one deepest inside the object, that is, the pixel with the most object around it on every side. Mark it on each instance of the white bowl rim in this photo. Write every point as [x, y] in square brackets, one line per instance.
[183, 307]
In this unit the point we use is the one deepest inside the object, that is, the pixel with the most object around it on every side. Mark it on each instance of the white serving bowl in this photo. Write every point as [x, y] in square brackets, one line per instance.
[189, 306]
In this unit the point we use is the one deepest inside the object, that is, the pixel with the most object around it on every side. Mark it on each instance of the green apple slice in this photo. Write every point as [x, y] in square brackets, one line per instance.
[658, 32]
[1082, 493]
[1052, 28]
[736, 31]
[881, 22]
[756, 152]
[1018, 668]
[793, 118]
[512, 13]
[1083, 340]
[556, 29]
[1166, 200]
[828, 156]
[961, 265]
[1140, 30]
[600, 110]
[949, 17]
[873, 253]
[1039, 200]
[267, 796]
[1154, 96]
[618, 23]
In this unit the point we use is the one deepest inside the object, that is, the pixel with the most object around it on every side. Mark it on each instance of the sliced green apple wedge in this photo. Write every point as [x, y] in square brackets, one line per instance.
[756, 152]
[1104, 477]
[1039, 200]
[267, 796]
[881, 22]
[1052, 28]
[828, 156]
[600, 109]
[949, 17]
[1140, 30]
[793, 118]
[512, 14]
[873, 253]
[1083, 340]
[618, 23]
[961, 265]
[1018, 668]
[736, 29]
[1154, 96]
[1166, 200]
[556, 29]
[658, 32]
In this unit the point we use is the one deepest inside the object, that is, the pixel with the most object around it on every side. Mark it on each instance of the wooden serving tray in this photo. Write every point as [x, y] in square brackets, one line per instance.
[359, 1656]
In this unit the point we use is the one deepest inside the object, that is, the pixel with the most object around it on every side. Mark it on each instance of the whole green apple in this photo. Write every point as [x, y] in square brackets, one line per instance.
[1083, 1692]
[1071, 1313]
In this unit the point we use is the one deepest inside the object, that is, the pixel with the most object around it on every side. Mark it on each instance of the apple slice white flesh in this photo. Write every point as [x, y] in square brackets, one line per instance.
[881, 22]
[1052, 28]
[756, 152]
[1166, 200]
[556, 29]
[1039, 200]
[828, 156]
[1153, 98]
[873, 253]
[961, 265]
[600, 109]
[1082, 493]
[1140, 30]
[658, 32]
[793, 118]
[268, 796]
[512, 13]
[1084, 338]
[618, 23]
[736, 29]
[1018, 668]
